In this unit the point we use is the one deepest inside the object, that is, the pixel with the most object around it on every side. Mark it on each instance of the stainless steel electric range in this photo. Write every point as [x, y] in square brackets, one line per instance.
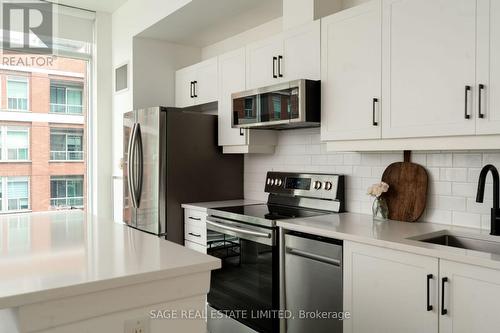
[245, 238]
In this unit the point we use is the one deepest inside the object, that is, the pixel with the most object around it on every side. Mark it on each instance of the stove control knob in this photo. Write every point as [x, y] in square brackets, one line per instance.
[278, 182]
[318, 185]
[270, 181]
[328, 186]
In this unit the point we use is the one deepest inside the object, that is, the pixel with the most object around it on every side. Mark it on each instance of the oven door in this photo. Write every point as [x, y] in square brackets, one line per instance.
[246, 287]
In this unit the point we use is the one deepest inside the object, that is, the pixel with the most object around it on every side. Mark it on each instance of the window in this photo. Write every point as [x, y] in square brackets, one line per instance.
[17, 143]
[277, 107]
[17, 194]
[66, 144]
[66, 98]
[17, 93]
[14, 143]
[66, 191]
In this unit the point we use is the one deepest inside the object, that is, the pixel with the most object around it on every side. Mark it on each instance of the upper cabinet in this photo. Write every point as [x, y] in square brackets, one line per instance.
[351, 77]
[488, 67]
[197, 84]
[291, 55]
[429, 60]
[412, 74]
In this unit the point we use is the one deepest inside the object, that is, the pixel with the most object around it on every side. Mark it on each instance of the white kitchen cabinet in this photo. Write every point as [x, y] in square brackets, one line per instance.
[429, 58]
[351, 63]
[291, 55]
[488, 67]
[472, 298]
[195, 230]
[386, 290]
[184, 87]
[197, 84]
[238, 140]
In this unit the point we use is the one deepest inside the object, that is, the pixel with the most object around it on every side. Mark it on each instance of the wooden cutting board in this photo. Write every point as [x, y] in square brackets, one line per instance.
[407, 195]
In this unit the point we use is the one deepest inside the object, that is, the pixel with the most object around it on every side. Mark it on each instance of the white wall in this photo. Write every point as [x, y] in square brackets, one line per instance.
[155, 63]
[453, 176]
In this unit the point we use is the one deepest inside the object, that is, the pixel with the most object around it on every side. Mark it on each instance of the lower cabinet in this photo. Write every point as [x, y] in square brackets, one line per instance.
[195, 230]
[386, 291]
[394, 291]
[471, 298]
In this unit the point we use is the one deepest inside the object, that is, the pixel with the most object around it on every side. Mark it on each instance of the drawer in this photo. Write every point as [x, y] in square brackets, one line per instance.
[195, 246]
[196, 232]
[194, 216]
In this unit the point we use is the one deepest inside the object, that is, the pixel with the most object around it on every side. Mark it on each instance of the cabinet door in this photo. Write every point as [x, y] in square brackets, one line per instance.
[488, 67]
[183, 88]
[386, 290]
[259, 62]
[206, 87]
[351, 74]
[428, 60]
[231, 79]
[301, 53]
[472, 298]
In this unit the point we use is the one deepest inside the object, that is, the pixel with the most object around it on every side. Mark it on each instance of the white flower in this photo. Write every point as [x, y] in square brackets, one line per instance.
[377, 189]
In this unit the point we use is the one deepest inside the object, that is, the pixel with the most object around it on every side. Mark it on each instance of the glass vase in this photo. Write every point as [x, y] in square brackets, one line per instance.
[380, 209]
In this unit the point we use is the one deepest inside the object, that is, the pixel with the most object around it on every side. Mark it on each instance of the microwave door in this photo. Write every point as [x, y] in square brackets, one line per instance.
[129, 212]
[148, 170]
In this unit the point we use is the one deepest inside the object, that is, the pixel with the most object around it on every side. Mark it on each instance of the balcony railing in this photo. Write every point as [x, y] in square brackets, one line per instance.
[66, 155]
[66, 108]
[67, 202]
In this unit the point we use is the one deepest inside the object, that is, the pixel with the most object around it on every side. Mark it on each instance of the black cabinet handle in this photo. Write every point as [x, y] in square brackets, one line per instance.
[280, 60]
[194, 218]
[467, 90]
[429, 278]
[242, 132]
[274, 67]
[374, 121]
[443, 310]
[191, 89]
[195, 235]
[480, 97]
[195, 93]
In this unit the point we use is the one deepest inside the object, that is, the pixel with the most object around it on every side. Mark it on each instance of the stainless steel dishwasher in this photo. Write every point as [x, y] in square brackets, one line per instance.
[311, 283]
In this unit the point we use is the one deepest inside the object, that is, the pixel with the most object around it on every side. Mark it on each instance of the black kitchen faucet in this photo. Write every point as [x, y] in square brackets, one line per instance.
[495, 211]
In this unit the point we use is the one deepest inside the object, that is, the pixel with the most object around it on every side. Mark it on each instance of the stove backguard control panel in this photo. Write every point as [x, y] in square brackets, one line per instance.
[311, 185]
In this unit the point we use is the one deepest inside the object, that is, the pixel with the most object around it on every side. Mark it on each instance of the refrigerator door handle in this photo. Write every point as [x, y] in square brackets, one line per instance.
[130, 166]
[140, 165]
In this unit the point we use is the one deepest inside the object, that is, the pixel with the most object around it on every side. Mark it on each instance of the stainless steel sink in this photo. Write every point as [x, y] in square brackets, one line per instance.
[473, 242]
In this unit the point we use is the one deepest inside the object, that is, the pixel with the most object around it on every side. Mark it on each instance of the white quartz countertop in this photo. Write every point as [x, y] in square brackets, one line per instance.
[60, 254]
[393, 234]
[204, 206]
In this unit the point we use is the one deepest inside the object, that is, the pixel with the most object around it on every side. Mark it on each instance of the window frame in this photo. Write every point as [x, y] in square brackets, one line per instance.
[4, 149]
[5, 194]
[66, 145]
[18, 78]
[67, 178]
[68, 86]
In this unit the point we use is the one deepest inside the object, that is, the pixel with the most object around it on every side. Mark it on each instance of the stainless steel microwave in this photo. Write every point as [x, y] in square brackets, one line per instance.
[294, 104]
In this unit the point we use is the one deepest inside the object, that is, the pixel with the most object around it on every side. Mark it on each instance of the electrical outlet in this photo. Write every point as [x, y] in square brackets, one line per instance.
[137, 325]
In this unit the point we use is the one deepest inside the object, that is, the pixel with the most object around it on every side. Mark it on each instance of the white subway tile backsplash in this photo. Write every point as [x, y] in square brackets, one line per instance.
[453, 175]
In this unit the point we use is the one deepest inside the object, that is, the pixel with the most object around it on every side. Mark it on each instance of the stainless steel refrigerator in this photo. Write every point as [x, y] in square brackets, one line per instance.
[172, 157]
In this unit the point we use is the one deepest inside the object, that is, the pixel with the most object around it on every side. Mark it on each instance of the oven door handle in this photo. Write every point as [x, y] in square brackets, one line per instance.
[239, 230]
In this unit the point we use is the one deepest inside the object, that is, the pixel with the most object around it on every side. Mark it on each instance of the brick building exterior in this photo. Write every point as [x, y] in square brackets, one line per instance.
[43, 136]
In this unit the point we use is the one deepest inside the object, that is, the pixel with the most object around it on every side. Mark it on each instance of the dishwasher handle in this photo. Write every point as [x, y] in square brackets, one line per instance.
[313, 256]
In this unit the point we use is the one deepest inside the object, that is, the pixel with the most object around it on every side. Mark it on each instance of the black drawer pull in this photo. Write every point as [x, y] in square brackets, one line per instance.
[274, 67]
[429, 278]
[374, 104]
[443, 309]
[195, 235]
[280, 60]
[480, 98]
[194, 218]
[467, 90]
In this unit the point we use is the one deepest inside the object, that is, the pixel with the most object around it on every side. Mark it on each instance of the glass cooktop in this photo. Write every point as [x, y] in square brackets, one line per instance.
[270, 212]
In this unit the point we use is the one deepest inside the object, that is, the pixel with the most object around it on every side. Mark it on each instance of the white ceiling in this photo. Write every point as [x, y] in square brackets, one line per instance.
[94, 5]
[204, 22]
